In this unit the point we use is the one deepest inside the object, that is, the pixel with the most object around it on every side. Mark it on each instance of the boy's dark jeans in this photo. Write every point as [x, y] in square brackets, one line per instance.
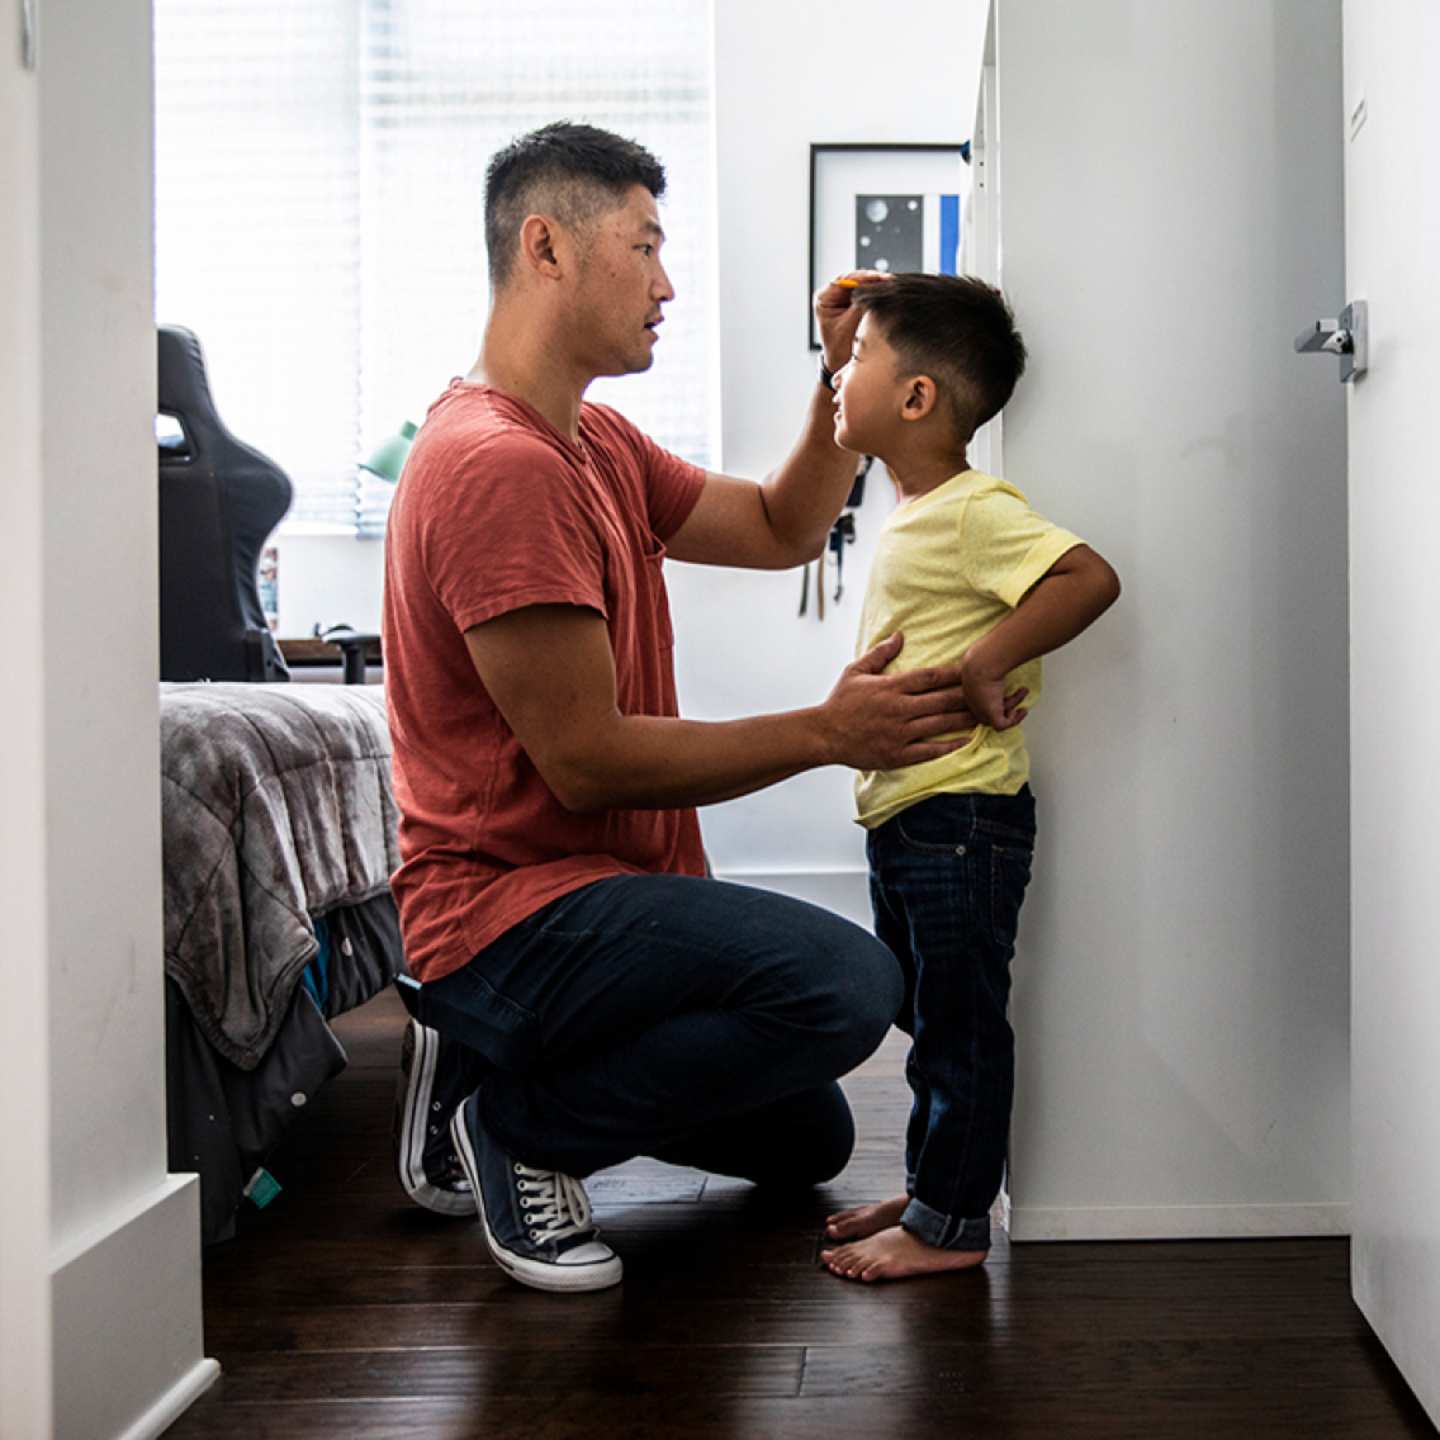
[701, 1022]
[947, 877]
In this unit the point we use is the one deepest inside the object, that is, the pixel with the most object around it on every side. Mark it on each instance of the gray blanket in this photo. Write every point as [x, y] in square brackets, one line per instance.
[276, 808]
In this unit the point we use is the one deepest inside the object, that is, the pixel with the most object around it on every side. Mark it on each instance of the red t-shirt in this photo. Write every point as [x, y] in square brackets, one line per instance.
[498, 510]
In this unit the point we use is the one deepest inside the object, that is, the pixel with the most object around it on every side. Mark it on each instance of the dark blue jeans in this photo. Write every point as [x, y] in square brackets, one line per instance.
[947, 877]
[700, 1022]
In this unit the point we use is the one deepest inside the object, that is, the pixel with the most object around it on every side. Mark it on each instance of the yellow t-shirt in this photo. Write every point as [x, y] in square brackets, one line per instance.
[949, 566]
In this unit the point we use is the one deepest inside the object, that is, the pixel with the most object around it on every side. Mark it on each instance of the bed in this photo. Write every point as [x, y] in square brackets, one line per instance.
[279, 830]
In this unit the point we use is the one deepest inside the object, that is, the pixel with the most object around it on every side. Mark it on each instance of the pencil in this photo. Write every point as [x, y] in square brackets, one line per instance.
[845, 283]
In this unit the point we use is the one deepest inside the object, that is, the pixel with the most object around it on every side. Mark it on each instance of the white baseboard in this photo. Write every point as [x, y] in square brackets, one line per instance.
[1177, 1222]
[174, 1402]
[846, 892]
[126, 1318]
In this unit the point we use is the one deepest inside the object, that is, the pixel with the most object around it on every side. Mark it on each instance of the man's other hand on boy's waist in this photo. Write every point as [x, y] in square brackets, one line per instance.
[875, 721]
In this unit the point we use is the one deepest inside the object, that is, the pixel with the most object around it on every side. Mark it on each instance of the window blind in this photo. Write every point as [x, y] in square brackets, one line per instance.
[257, 235]
[319, 207]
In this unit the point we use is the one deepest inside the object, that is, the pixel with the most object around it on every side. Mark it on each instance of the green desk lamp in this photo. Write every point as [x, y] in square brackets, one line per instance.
[388, 459]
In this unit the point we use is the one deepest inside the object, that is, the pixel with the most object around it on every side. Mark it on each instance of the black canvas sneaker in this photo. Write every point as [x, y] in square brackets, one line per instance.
[435, 1076]
[537, 1222]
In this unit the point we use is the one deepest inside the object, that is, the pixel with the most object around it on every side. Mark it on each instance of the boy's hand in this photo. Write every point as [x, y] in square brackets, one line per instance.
[837, 318]
[987, 698]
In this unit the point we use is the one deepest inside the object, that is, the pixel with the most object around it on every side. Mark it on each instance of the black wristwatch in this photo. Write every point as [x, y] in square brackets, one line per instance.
[827, 375]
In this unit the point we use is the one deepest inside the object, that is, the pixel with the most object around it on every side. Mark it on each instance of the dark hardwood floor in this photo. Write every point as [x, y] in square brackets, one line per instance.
[343, 1311]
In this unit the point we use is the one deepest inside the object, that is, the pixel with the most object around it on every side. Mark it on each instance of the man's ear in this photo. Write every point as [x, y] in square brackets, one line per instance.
[540, 246]
[921, 396]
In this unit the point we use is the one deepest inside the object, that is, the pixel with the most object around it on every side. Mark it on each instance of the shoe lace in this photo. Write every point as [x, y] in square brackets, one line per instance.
[555, 1205]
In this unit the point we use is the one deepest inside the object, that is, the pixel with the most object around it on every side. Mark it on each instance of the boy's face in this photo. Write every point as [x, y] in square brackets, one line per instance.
[869, 394]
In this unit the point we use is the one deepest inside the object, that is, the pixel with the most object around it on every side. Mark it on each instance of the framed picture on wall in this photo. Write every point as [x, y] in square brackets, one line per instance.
[884, 207]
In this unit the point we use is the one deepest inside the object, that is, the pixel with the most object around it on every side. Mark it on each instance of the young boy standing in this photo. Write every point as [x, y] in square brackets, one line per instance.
[966, 570]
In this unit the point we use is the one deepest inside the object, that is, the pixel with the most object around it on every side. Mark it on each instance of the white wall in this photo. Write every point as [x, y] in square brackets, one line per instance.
[121, 1239]
[25, 1367]
[787, 75]
[1392, 54]
[330, 580]
[101, 712]
[1170, 219]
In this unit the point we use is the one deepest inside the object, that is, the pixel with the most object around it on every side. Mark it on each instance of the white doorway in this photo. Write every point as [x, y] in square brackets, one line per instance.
[1392, 232]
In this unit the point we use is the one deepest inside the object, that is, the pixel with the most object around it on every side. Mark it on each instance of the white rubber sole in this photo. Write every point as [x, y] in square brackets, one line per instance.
[410, 1157]
[558, 1279]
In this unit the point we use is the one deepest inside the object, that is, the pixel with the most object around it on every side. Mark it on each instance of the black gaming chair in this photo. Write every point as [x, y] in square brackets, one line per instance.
[219, 501]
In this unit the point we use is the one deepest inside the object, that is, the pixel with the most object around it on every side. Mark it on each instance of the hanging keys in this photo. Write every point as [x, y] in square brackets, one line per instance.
[842, 533]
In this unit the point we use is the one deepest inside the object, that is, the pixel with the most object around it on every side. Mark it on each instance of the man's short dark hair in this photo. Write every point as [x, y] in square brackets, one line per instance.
[957, 330]
[574, 171]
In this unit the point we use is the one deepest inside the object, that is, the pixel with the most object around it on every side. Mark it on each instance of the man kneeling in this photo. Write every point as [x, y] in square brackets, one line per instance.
[615, 1002]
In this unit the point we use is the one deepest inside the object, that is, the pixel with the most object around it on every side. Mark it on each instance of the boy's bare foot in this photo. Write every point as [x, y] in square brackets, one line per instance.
[895, 1254]
[865, 1220]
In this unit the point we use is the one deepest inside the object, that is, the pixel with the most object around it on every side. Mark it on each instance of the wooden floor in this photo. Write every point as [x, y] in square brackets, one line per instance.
[343, 1311]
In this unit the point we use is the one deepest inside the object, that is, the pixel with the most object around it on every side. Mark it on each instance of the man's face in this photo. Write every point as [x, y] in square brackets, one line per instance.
[621, 287]
[868, 393]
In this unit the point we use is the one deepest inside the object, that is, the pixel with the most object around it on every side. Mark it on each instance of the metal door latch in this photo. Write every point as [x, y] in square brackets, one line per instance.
[1348, 336]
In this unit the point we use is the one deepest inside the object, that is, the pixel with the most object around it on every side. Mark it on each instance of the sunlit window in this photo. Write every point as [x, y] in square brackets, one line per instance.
[319, 183]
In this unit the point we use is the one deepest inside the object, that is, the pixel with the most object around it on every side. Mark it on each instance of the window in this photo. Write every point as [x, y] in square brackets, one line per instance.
[320, 174]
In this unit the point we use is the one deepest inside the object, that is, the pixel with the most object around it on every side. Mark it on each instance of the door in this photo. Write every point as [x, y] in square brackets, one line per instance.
[1392, 191]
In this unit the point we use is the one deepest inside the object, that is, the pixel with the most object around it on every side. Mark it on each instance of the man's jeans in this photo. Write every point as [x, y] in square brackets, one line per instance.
[700, 1022]
[947, 877]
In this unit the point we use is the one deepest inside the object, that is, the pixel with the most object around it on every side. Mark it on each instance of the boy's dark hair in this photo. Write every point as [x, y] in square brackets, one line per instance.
[959, 331]
[578, 167]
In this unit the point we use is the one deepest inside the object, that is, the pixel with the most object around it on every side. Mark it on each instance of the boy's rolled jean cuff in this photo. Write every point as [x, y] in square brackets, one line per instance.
[941, 1231]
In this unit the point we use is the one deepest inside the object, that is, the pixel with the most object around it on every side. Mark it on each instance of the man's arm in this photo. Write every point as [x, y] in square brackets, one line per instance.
[564, 712]
[786, 520]
[1067, 599]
